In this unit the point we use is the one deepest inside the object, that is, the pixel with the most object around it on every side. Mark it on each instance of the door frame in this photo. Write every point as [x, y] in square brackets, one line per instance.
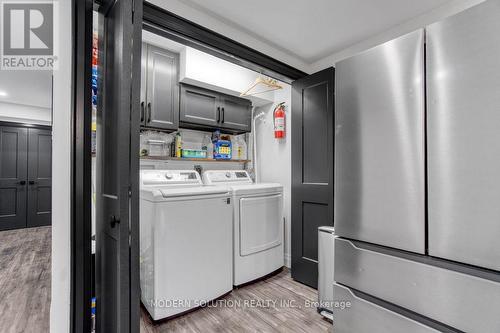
[81, 166]
[163, 23]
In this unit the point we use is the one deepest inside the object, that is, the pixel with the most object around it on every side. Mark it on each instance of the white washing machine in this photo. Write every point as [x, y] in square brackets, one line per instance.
[257, 224]
[186, 242]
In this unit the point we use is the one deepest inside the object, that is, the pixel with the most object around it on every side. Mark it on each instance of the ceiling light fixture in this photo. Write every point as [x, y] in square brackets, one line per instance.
[3, 93]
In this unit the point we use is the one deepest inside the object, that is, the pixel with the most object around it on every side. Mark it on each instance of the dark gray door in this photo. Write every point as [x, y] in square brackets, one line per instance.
[199, 106]
[39, 177]
[162, 93]
[13, 182]
[236, 113]
[117, 260]
[312, 169]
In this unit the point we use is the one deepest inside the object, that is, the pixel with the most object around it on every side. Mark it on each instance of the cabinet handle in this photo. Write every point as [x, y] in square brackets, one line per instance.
[22, 182]
[142, 112]
[223, 115]
[149, 112]
[218, 113]
[31, 182]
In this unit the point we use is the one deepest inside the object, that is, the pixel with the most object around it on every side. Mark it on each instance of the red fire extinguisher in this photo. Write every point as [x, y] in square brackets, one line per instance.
[279, 121]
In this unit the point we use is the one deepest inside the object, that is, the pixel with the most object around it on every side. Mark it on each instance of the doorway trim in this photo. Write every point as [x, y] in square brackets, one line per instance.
[27, 125]
[81, 166]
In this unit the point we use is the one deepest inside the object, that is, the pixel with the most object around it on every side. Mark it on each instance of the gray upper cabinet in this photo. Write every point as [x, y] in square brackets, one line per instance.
[206, 108]
[199, 106]
[236, 113]
[160, 93]
[463, 84]
[379, 145]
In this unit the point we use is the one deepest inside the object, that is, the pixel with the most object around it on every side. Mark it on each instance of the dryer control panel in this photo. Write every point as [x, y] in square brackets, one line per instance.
[212, 177]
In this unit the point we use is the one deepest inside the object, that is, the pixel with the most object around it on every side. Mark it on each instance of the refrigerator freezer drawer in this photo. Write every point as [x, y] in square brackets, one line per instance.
[363, 316]
[463, 72]
[379, 145]
[421, 284]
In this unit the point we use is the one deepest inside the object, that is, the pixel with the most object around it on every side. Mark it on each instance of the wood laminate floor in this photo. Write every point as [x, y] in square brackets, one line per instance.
[25, 280]
[290, 313]
[275, 304]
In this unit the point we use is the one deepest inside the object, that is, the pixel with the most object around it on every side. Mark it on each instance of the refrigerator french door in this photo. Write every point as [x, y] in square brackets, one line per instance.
[379, 145]
[408, 266]
[463, 76]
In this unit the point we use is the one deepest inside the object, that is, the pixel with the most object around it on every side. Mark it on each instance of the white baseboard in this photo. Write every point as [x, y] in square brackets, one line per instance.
[288, 260]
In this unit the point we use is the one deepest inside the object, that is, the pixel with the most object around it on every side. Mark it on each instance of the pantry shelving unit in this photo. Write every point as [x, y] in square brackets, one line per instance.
[168, 158]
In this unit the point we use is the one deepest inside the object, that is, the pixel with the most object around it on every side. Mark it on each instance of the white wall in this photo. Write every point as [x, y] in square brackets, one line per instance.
[274, 156]
[451, 8]
[204, 70]
[20, 113]
[61, 178]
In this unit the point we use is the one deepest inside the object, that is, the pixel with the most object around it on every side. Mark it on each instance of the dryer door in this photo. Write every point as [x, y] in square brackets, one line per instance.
[261, 223]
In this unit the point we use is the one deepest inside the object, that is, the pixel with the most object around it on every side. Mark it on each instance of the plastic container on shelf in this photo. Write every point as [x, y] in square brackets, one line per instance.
[153, 143]
[194, 153]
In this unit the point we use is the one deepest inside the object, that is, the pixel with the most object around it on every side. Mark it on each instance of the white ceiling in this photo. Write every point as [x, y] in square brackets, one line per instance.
[312, 30]
[33, 88]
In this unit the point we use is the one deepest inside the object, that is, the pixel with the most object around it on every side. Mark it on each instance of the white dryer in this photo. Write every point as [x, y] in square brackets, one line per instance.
[257, 224]
[186, 242]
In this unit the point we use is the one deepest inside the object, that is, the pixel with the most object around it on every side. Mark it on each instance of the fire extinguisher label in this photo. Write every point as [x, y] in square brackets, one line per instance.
[279, 124]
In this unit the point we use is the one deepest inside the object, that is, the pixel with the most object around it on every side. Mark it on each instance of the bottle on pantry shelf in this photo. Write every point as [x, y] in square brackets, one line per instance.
[178, 145]
[235, 143]
[243, 148]
[208, 146]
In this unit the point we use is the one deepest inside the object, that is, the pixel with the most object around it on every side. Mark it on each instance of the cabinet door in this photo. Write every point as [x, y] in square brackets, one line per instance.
[39, 177]
[199, 106]
[13, 183]
[235, 113]
[162, 108]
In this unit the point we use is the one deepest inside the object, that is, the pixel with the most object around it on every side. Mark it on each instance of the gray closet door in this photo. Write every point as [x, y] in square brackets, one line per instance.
[379, 145]
[463, 77]
[39, 177]
[162, 107]
[312, 169]
[13, 183]
[117, 164]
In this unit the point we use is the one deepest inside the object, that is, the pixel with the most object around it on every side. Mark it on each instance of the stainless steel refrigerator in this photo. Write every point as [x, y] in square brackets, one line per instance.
[417, 180]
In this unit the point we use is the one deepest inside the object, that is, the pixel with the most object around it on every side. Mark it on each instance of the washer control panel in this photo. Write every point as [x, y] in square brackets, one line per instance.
[170, 177]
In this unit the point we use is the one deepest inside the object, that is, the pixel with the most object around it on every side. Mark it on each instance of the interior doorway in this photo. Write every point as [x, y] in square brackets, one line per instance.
[25, 199]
